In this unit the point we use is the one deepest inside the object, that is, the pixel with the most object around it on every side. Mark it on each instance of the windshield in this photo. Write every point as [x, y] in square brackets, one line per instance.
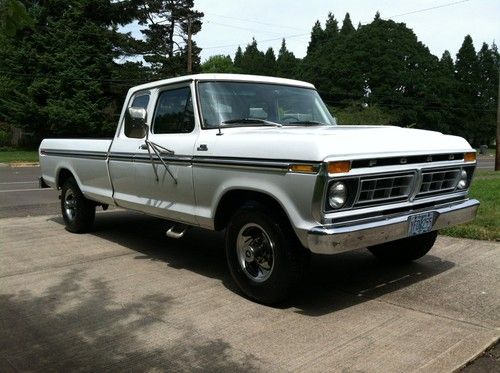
[254, 104]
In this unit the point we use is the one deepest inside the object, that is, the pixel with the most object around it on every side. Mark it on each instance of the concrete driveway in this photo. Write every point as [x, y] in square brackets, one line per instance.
[125, 297]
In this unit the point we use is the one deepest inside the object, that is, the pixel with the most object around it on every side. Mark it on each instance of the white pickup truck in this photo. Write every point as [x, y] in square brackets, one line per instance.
[263, 159]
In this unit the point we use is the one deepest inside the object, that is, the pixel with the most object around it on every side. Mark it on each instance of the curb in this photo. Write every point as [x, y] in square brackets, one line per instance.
[20, 164]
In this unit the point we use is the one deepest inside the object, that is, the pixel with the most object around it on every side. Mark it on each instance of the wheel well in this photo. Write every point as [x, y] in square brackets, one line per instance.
[64, 174]
[235, 199]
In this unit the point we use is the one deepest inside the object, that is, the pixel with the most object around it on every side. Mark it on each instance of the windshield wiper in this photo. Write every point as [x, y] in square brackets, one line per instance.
[308, 122]
[252, 121]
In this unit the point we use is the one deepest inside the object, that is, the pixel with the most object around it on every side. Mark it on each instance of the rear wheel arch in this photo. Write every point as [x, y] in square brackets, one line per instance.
[62, 175]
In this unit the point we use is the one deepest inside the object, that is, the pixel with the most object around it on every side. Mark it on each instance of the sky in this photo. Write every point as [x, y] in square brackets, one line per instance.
[229, 23]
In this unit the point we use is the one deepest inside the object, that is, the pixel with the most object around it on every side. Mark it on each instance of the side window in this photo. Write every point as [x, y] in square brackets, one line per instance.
[174, 112]
[131, 129]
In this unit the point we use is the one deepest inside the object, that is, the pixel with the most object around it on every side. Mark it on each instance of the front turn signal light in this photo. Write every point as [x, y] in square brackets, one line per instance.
[470, 157]
[303, 168]
[339, 167]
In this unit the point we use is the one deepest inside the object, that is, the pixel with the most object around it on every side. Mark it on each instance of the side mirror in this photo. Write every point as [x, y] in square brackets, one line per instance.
[135, 122]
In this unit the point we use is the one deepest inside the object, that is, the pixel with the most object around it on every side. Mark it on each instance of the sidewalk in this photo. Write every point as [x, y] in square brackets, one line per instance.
[126, 297]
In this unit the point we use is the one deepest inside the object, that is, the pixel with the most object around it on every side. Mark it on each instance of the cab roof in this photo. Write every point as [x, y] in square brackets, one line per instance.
[221, 77]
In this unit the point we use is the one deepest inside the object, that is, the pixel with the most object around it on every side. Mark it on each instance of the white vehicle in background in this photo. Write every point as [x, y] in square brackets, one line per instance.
[263, 159]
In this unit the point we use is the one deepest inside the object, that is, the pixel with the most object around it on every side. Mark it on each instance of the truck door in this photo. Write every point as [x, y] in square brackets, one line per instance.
[172, 128]
[125, 145]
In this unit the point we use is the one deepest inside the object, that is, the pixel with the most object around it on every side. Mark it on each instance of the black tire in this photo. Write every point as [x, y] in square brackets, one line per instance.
[288, 261]
[406, 249]
[77, 211]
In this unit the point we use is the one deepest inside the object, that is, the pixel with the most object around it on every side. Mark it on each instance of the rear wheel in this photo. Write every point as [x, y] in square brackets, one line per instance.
[77, 211]
[406, 249]
[264, 256]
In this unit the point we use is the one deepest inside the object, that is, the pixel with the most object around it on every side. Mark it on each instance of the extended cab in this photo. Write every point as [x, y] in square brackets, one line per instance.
[263, 159]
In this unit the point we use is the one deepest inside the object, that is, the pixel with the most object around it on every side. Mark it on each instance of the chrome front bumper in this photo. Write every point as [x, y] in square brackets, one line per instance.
[331, 239]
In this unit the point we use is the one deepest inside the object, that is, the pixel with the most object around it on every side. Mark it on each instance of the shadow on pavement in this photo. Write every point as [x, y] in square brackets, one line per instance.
[333, 283]
[71, 327]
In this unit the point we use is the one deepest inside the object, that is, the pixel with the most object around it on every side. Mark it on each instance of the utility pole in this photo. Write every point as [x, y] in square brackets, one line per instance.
[190, 49]
[497, 156]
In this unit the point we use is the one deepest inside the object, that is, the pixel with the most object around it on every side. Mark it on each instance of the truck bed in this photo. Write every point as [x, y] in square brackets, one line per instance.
[84, 158]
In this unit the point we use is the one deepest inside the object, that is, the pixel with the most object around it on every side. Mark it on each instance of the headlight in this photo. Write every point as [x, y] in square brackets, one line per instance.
[337, 195]
[462, 183]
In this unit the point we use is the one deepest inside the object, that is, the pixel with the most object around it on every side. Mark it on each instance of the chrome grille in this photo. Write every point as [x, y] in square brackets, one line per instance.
[438, 181]
[384, 188]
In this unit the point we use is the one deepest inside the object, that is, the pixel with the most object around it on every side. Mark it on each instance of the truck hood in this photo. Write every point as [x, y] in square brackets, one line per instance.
[317, 143]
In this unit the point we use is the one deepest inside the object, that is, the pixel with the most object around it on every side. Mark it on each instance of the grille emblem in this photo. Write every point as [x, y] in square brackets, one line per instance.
[403, 160]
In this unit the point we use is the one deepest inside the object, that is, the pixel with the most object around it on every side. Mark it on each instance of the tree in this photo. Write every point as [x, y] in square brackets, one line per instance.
[488, 60]
[286, 64]
[252, 60]
[269, 67]
[168, 23]
[65, 87]
[317, 37]
[467, 76]
[218, 64]
[331, 27]
[13, 17]
[238, 57]
[347, 26]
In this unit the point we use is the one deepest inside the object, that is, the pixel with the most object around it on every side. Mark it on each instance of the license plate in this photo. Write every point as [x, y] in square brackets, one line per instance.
[421, 223]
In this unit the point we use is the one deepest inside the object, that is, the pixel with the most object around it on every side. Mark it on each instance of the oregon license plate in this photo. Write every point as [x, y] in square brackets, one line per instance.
[420, 223]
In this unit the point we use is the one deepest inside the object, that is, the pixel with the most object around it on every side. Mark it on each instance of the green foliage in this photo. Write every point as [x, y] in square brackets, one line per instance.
[286, 64]
[486, 226]
[61, 72]
[383, 64]
[13, 17]
[362, 115]
[168, 23]
[347, 26]
[5, 136]
[218, 64]
[61, 89]
[252, 60]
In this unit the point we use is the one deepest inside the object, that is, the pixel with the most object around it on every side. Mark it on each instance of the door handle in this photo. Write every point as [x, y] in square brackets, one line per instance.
[143, 147]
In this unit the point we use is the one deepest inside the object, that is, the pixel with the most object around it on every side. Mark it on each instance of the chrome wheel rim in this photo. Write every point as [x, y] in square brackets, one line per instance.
[70, 204]
[255, 251]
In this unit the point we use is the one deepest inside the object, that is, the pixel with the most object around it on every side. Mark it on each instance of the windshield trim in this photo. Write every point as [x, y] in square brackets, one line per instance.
[198, 104]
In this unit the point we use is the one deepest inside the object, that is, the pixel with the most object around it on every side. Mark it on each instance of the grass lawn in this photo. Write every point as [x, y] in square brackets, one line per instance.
[8, 156]
[486, 226]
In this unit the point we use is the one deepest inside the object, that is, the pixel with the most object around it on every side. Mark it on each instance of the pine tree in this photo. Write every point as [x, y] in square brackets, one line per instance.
[488, 91]
[64, 88]
[13, 17]
[238, 57]
[317, 38]
[347, 26]
[167, 25]
[331, 27]
[286, 64]
[468, 88]
[269, 67]
[252, 60]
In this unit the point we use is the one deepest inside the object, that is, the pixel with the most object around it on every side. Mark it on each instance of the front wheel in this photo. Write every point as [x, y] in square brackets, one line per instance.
[264, 256]
[77, 211]
[406, 249]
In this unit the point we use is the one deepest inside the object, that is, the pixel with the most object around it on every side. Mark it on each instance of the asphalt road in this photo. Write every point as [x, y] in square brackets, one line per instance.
[20, 195]
[486, 162]
[125, 297]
